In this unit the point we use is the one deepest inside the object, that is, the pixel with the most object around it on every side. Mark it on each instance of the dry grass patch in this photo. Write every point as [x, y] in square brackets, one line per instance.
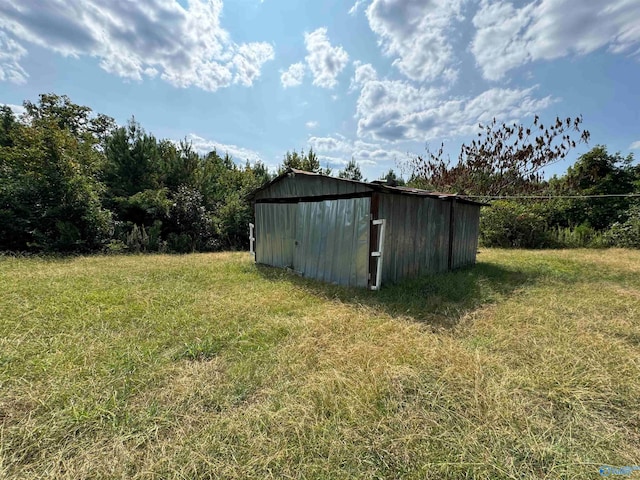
[206, 366]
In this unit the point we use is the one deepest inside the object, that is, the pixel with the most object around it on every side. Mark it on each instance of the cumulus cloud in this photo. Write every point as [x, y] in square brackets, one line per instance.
[339, 150]
[311, 124]
[395, 110]
[239, 154]
[387, 109]
[10, 54]
[293, 76]
[329, 144]
[324, 60]
[363, 74]
[417, 32]
[635, 145]
[249, 60]
[507, 37]
[185, 46]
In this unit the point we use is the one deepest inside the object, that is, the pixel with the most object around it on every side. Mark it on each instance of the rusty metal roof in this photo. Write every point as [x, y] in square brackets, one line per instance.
[374, 186]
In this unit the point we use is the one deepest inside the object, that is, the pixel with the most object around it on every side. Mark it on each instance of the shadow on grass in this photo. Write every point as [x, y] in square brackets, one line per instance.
[438, 300]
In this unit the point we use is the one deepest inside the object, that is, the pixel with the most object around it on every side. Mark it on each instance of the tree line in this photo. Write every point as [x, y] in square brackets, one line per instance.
[594, 204]
[72, 180]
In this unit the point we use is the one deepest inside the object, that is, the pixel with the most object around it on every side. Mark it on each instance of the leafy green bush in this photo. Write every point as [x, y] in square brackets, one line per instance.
[180, 243]
[115, 247]
[144, 207]
[190, 224]
[155, 237]
[582, 236]
[50, 192]
[510, 224]
[232, 222]
[625, 234]
[137, 239]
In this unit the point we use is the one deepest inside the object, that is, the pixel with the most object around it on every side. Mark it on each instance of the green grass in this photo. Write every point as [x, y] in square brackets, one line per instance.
[207, 366]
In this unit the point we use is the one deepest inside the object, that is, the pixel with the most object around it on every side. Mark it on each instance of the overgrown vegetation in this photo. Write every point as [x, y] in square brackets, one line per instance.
[504, 159]
[595, 204]
[74, 181]
[207, 366]
[581, 221]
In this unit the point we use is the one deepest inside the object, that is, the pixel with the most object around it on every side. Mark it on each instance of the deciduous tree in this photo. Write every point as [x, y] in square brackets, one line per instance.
[504, 159]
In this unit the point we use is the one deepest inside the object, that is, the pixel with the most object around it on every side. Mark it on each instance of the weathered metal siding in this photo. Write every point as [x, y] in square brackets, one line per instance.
[329, 239]
[275, 233]
[332, 241]
[465, 234]
[416, 238]
[310, 185]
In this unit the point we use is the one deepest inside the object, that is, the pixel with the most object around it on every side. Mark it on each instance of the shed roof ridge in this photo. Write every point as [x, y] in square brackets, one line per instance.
[372, 185]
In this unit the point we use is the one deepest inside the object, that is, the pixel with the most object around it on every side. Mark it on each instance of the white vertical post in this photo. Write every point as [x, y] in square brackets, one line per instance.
[252, 239]
[381, 250]
[378, 254]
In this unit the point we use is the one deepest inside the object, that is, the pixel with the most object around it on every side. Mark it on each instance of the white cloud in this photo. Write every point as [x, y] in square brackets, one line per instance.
[17, 109]
[339, 162]
[341, 150]
[417, 32]
[363, 74]
[293, 76]
[185, 46]
[635, 145]
[386, 109]
[249, 60]
[329, 144]
[239, 154]
[394, 110]
[325, 61]
[10, 54]
[354, 9]
[311, 124]
[336, 162]
[507, 37]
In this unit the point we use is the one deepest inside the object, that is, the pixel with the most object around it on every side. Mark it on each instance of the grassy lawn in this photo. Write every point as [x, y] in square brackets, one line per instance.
[207, 366]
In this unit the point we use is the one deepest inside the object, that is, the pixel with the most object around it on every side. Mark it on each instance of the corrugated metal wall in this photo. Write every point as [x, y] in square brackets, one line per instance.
[332, 239]
[416, 238]
[310, 185]
[333, 235]
[326, 240]
[275, 233]
[465, 234]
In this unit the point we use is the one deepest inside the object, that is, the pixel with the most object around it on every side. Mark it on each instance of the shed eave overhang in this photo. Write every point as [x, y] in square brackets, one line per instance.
[374, 187]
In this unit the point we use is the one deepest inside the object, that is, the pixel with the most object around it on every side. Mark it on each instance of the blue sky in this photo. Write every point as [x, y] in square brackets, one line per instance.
[375, 80]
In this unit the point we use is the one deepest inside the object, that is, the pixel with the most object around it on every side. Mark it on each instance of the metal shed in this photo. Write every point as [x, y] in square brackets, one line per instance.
[360, 234]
